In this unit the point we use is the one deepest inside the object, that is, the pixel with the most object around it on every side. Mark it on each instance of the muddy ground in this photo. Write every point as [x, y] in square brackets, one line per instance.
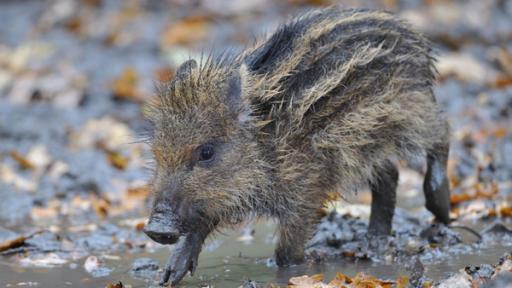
[73, 77]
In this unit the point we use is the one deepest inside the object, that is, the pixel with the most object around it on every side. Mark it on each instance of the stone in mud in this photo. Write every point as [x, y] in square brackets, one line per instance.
[96, 267]
[440, 234]
[249, 284]
[44, 242]
[144, 268]
[497, 229]
[503, 280]
[483, 272]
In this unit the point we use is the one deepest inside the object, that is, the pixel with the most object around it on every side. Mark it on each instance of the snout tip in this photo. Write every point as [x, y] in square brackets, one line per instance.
[160, 235]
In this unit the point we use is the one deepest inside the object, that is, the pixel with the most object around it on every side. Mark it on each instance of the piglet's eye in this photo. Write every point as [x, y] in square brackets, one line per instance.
[206, 153]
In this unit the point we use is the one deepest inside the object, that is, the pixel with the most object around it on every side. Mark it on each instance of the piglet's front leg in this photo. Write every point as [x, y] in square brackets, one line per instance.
[183, 259]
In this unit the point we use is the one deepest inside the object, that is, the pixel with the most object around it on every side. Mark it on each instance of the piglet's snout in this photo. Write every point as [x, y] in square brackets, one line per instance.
[162, 228]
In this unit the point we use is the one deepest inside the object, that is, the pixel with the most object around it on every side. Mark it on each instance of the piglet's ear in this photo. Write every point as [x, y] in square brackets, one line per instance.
[236, 96]
[185, 69]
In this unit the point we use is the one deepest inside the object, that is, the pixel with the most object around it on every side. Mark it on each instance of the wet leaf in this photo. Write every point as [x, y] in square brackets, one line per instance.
[478, 191]
[117, 160]
[310, 2]
[186, 32]
[305, 281]
[125, 86]
[12, 243]
[101, 206]
[402, 282]
[138, 192]
[22, 160]
[140, 226]
[74, 25]
[16, 242]
[342, 277]
[502, 82]
[115, 285]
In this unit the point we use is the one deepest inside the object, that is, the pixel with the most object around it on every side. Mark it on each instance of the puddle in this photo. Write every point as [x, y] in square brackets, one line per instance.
[226, 261]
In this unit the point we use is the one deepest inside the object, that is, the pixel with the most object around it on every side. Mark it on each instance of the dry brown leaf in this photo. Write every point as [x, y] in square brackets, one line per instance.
[310, 2]
[456, 199]
[138, 192]
[502, 82]
[318, 277]
[125, 86]
[186, 32]
[22, 160]
[500, 132]
[506, 212]
[74, 25]
[140, 226]
[348, 254]
[117, 160]
[115, 285]
[94, 3]
[16, 242]
[402, 282]
[343, 277]
[479, 190]
[367, 281]
[501, 212]
[12, 243]
[101, 206]
[305, 281]
[337, 283]
[486, 191]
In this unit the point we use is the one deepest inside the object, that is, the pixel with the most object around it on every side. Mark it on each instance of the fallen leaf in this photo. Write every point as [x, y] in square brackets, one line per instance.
[16, 242]
[101, 206]
[117, 160]
[74, 25]
[140, 226]
[12, 243]
[502, 82]
[310, 2]
[506, 211]
[402, 282]
[116, 285]
[22, 160]
[138, 192]
[318, 277]
[478, 191]
[186, 32]
[500, 132]
[343, 277]
[304, 281]
[125, 86]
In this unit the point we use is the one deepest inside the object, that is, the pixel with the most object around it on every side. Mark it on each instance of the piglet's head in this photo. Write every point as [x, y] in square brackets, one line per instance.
[207, 169]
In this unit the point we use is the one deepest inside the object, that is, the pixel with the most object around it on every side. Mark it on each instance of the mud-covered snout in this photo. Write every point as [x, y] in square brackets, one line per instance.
[163, 227]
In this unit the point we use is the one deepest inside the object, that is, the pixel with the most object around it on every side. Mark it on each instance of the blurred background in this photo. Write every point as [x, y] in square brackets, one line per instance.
[73, 77]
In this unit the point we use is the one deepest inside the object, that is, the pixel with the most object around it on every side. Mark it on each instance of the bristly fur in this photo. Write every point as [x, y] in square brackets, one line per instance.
[318, 107]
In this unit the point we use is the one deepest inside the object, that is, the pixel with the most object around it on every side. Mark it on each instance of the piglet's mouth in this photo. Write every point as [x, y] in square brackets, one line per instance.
[162, 228]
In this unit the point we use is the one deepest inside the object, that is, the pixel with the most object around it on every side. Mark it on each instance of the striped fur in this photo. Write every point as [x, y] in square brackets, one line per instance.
[316, 108]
